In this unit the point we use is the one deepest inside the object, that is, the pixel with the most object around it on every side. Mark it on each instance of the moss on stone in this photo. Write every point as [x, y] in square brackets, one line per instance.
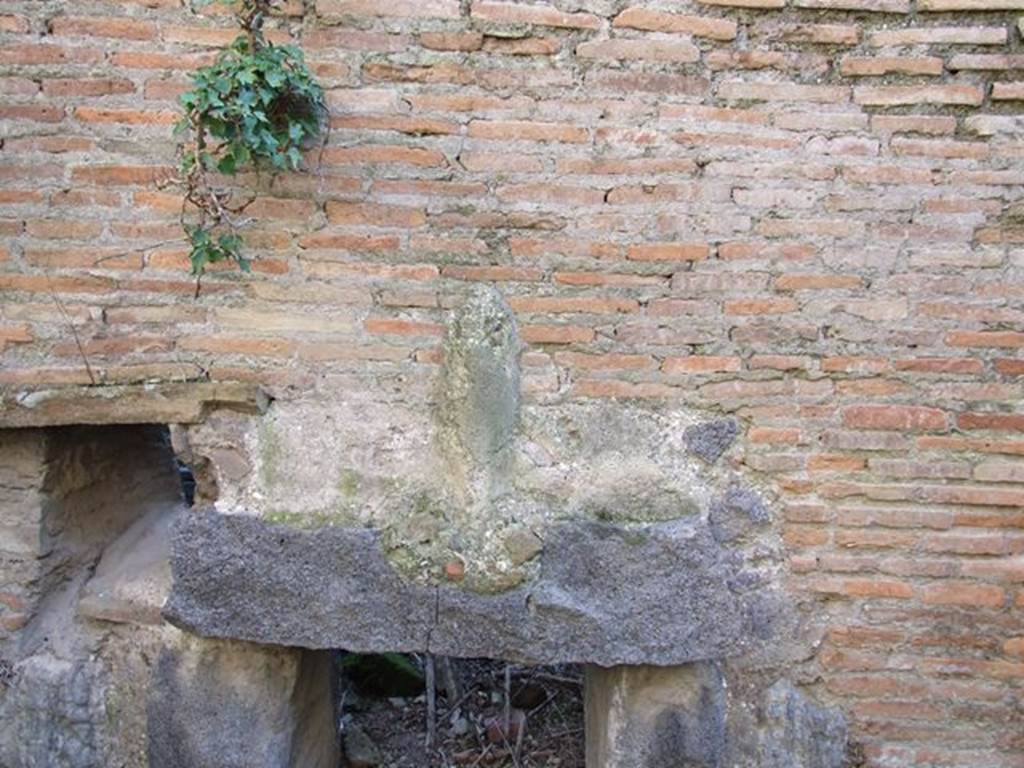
[656, 506]
[348, 483]
[309, 520]
[271, 452]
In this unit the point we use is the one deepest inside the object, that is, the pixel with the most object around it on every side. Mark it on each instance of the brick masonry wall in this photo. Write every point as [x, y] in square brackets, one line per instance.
[806, 213]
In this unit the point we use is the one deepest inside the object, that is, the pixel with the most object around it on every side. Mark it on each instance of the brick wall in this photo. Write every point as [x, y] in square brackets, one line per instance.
[803, 212]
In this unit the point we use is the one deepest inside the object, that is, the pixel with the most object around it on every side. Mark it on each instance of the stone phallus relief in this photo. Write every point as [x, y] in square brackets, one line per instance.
[488, 525]
[540, 532]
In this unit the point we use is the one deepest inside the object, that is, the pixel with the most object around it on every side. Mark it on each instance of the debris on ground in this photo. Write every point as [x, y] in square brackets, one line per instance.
[486, 713]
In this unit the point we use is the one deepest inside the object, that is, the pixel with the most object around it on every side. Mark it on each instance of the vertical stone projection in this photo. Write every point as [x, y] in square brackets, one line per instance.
[479, 398]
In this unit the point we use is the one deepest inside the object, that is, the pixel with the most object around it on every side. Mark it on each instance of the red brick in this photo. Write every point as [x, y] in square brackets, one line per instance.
[30, 54]
[825, 34]
[401, 327]
[1014, 647]
[888, 174]
[103, 26]
[649, 194]
[524, 130]
[746, 3]
[424, 272]
[680, 51]
[1009, 422]
[174, 62]
[964, 593]
[775, 435]
[800, 536]
[522, 46]
[817, 282]
[809, 227]
[1008, 91]
[375, 215]
[62, 229]
[16, 334]
[426, 188]
[899, 417]
[981, 61]
[932, 125]
[494, 273]
[18, 86]
[760, 306]
[621, 389]
[572, 304]
[519, 13]
[121, 175]
[701, 364]
[99, 258]
[873, 6]
[400, 9]
[668, 252]
[605, 80]
[500, 162]
[452, 41]
[1009, 366]
[554, 194]
[926, 148]
[40, 113]
[11, 23]
[556, 334]
[892, 95]
[349, 242]
[825, 462]
[985, 339]
[384, 154]
[605, 278]
[856, 66]
[238, 345]
[126, 116]
[939, 35]
[659, 21]
[941, 365]
[863, 587]
[740, 90]
[606, 362]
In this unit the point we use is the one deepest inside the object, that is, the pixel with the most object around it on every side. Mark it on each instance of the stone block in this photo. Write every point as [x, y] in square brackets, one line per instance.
[238, 705]
[692, 716]
[186, 403]
[710, 439]
[653, 717]
[133, 577]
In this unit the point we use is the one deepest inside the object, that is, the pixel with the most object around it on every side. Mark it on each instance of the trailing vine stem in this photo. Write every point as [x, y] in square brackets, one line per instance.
[257, 106]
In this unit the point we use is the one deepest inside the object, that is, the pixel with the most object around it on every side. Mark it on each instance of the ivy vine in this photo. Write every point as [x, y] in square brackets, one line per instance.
[257, 106]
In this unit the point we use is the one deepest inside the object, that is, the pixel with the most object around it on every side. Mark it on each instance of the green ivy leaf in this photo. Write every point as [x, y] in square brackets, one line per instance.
[255, 105]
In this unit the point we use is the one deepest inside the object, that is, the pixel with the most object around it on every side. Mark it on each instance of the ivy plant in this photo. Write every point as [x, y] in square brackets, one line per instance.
[256, 107]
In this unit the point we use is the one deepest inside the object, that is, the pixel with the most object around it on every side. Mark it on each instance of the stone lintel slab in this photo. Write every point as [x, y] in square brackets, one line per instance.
[178, 403]
[605, 594]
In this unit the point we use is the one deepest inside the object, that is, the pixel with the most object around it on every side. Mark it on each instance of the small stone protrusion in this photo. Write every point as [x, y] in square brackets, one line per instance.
[711, 439]
[523, 546]
[736, 513]
[455, 570]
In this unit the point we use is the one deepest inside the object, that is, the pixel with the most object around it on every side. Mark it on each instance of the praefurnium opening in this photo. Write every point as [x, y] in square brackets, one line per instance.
[481, 712]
